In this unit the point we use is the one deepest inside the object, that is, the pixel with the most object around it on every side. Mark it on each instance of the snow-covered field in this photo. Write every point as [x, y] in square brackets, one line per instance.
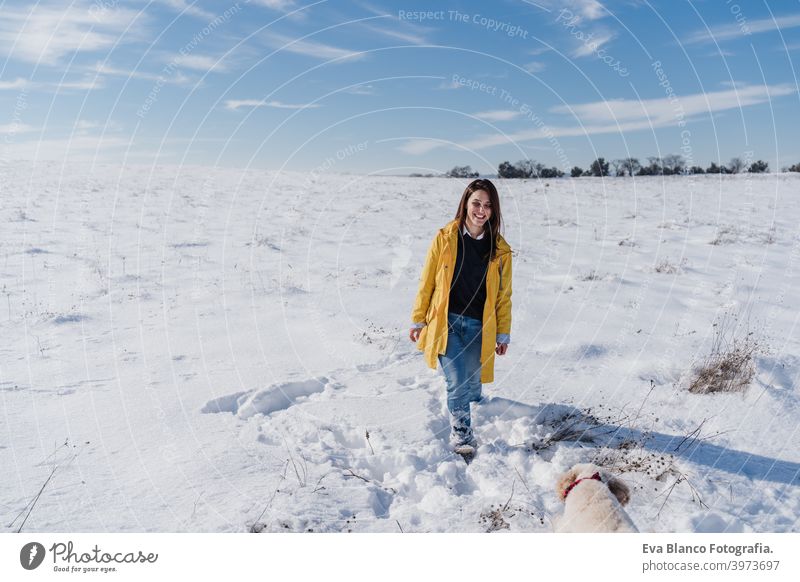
[198, 349]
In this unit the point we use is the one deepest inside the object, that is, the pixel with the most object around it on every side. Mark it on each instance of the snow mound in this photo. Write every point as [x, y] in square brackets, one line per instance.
[272, 399]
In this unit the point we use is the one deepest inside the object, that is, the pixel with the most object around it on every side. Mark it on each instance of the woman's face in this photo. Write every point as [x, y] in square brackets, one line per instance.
[479, 209]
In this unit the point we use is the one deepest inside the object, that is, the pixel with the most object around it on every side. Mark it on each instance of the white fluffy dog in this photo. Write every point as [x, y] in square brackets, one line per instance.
[593, 501]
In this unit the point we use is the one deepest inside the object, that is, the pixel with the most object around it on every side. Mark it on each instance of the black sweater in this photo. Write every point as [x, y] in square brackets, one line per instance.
[468, 289]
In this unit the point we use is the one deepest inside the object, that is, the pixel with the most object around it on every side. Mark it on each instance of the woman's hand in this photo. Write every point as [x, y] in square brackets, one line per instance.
[413, 333]
[501, 349]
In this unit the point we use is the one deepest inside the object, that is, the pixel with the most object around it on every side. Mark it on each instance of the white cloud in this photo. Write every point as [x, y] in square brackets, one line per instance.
[288, 8]
[497, 115]
[400, 29]
[361, 90]
[14, 128]
[202, 63]
[408, 37]
[50, 33]
[184, 7]
[17, 83]
[88, 83]
[76, 148]
[420, 147]
[313, 49]
[84, 126]
[619, 116]
[662, 111]
[234, 104]
[592, 45]
[104, 69]
[447, 85]
[534, 67]
[280, 5]
[588, 9]
[733, 84]
[745, 28]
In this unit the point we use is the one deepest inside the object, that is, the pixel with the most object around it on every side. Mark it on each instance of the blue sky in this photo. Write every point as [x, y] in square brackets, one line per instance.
[398, 87]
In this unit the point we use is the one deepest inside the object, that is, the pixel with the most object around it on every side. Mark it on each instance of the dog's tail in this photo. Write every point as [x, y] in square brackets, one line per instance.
[618, 488]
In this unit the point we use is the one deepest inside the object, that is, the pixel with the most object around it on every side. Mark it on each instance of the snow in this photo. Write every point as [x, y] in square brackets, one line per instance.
[206, 349]
[272, 399]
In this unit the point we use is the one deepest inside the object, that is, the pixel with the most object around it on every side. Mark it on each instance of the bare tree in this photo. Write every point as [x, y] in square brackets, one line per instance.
[462, 172]
[655, 167]
[630, 166]
[736, 165]
[675, 163]
[530, 168]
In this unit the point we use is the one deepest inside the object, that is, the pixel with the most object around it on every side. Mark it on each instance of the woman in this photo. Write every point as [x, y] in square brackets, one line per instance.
[462, 313]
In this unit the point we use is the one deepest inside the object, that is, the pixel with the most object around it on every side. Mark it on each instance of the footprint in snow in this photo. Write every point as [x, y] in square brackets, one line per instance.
[386, 362]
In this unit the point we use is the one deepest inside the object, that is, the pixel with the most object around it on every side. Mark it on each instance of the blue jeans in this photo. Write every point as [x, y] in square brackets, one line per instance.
[461, 364]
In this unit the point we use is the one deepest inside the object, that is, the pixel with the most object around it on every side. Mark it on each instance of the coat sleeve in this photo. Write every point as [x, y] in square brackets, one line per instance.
[503, 306]
[427, 283]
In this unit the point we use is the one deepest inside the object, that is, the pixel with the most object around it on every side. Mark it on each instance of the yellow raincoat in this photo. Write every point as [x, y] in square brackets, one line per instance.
[433, 297]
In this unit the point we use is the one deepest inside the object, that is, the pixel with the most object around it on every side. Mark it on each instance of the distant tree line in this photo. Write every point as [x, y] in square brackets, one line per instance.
[655, 166]
[527, 169]
[462, 172]
[670, 165]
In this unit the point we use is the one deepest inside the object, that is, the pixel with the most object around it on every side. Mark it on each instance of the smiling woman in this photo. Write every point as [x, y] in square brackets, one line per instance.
[462, 313]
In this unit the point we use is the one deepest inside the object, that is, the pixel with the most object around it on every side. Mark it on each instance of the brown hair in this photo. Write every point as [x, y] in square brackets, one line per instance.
[495, 222]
